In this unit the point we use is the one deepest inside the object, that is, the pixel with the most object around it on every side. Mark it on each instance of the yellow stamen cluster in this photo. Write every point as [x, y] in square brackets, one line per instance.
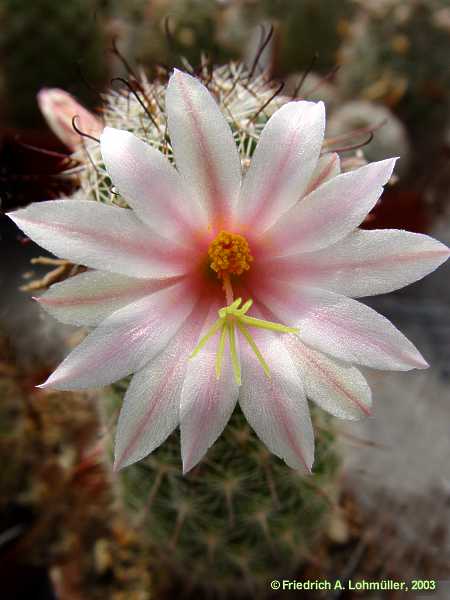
[229, 253]
[236, 315]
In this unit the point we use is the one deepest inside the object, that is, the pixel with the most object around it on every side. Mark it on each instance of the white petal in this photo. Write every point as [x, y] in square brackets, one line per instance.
[150, 410]
[204, 148]
[102, 237]
[331, 211]
[344, 328]
[276, 407]
[90, 297]
[338, 388]
[328, 166]
[282, 165]
[206, 402]
[150, 185]
[366, 263]
[125, 341]
[356, 333]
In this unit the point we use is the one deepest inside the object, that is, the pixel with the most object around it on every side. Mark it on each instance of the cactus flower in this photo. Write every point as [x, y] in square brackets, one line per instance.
[214, 288]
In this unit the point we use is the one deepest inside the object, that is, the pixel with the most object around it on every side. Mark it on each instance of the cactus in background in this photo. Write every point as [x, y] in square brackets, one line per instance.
[57, 502]
[390, 140]
[304, 29]
[223, 30]
[161, 31]
[241, 517]
[41, 44]
[397, 54]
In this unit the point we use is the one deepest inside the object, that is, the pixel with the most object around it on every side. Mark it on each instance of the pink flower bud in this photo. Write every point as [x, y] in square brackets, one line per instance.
[59, 108]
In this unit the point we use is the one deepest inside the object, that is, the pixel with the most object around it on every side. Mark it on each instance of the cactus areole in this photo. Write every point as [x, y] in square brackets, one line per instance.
[215, 286]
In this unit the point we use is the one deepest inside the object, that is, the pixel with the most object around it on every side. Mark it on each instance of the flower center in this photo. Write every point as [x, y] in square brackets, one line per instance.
[229, 253]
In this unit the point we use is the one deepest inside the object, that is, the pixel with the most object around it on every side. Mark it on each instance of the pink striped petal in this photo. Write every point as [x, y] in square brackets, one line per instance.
[276, 407]
[344, 328]
[204, 148]
[206, 402]
[338, 388]
[150, 410]
[356, 333]
[282, 165]
[90, 297]
[331, 211]
[102, 237]
[366, 263]
[125, 341]
[150, 185]
[328, 166]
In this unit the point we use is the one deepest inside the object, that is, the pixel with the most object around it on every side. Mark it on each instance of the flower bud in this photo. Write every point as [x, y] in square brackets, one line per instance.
[59, 108]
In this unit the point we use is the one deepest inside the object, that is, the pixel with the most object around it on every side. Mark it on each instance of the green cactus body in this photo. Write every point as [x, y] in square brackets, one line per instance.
[241, 517]
[238, 520]
[247, 105]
